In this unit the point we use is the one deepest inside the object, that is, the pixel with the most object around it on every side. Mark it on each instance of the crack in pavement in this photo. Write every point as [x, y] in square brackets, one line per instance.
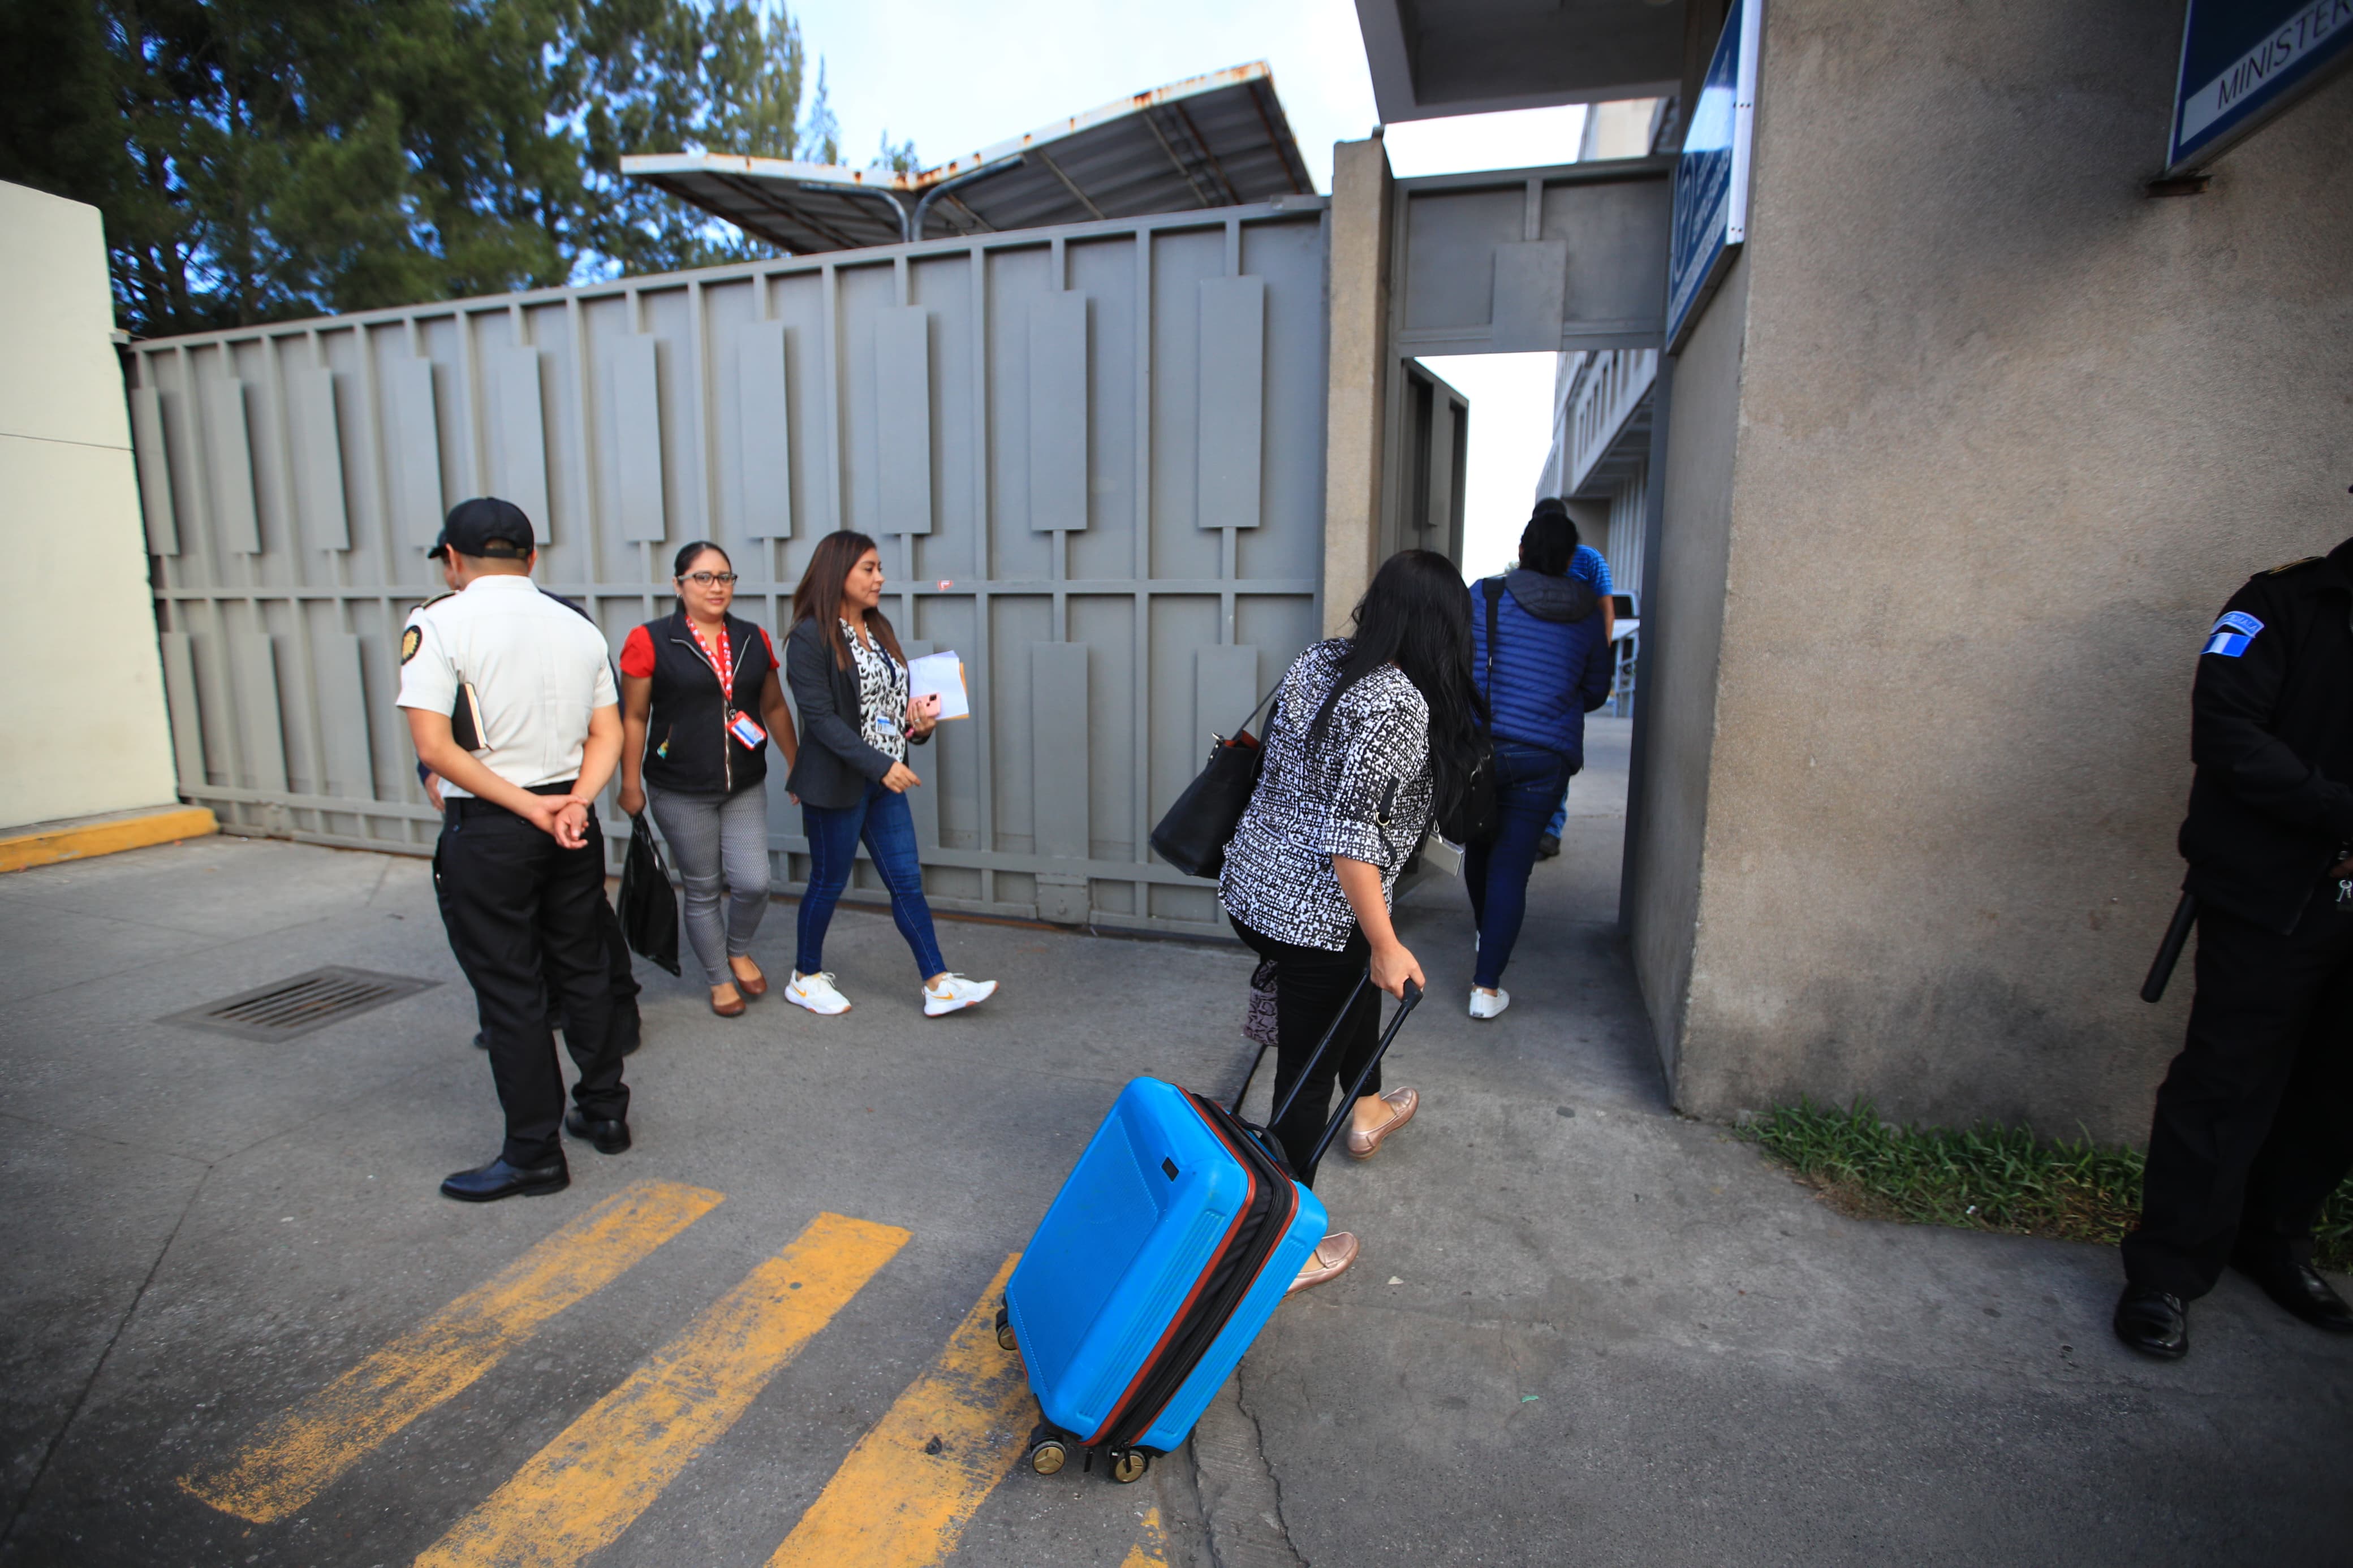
[1240, 1498]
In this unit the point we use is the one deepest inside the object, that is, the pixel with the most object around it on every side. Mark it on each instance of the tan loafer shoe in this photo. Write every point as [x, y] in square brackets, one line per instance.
[1328, 1261]
[1402, 1104]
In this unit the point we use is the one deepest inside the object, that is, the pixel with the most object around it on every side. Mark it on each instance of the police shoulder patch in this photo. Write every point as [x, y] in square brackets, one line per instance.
[2231, 634]
[411, 639]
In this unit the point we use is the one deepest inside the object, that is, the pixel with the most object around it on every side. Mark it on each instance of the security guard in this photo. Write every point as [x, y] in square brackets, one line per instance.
[2254, 1120]
[628, 1024]
[521, 861]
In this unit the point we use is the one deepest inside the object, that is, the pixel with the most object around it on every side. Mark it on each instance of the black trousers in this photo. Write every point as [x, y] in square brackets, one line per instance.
[627, 1027]
[1311, 985]
[519, 906]
[2254, 1120]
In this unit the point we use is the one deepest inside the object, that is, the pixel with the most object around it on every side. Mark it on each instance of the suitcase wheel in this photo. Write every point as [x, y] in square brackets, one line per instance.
[1046, 1457]
[1005, 1329]
[1128, 1465]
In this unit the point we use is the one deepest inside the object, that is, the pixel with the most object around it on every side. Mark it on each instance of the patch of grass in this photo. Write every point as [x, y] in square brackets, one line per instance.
[1983, 1177]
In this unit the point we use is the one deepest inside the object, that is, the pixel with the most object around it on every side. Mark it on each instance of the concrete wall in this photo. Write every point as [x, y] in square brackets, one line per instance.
[1357, 387]
[2008, 433]
[83, 704]
[1682, 629]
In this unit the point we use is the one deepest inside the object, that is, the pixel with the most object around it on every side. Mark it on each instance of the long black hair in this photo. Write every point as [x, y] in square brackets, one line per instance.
[1550, 541]
[1417, 616]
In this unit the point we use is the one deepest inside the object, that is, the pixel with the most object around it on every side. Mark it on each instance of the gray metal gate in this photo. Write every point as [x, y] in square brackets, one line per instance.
[1094, 457]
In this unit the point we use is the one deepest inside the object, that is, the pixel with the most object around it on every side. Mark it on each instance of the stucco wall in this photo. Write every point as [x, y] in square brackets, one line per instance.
[1682, 627]
[83, 705]
[2010, 433]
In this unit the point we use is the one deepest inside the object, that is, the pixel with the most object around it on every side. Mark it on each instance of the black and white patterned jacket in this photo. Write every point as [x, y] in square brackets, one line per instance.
[1364, 793]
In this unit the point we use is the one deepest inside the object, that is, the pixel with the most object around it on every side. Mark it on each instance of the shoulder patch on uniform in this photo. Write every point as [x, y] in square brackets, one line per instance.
[2231, 634]
[2307, 561]
[411, 639]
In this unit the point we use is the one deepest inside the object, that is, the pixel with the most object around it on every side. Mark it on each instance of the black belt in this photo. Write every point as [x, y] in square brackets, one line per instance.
[457, 807]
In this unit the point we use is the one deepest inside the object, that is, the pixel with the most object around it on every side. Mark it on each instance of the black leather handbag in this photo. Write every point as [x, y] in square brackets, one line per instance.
[648, 908]
[1193, 835]
[1476, 816]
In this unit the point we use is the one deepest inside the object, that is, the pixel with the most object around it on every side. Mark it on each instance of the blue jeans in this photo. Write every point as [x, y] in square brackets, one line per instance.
[1528, 781]
[1560, 813]
[884, 820]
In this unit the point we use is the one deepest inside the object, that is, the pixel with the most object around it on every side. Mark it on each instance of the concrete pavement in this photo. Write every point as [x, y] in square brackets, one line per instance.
[1583, 1329]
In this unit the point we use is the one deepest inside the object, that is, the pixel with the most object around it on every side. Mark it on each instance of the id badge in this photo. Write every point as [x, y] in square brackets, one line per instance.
[746, 730]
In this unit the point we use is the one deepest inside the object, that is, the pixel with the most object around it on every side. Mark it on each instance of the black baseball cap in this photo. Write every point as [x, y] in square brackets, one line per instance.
[485, 527]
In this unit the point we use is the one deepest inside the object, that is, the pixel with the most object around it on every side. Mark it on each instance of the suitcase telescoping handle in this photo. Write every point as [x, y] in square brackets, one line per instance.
[1349, 1101]
[1412, 996]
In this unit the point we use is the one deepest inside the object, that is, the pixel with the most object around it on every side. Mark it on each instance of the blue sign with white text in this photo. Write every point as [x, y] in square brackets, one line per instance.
[1710, 211]
[2243, 60]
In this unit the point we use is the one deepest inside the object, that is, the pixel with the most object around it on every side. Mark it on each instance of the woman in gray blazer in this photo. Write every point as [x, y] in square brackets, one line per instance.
[849, 678]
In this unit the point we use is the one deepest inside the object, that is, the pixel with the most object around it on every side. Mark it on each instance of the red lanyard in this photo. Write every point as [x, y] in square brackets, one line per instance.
[723, 663]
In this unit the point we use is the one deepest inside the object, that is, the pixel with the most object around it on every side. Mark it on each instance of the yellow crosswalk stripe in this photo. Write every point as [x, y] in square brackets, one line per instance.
[580, 1492]
[299, 1455]
[905, 1493]
[1152, 1551]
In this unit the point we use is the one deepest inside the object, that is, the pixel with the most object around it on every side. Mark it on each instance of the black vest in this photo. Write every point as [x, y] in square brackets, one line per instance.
[688, 747]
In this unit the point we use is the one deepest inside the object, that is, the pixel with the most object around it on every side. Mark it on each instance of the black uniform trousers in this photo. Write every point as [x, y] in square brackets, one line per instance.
[1311, 985]
[629, 1026]
[519, 906]
[2254, 1120]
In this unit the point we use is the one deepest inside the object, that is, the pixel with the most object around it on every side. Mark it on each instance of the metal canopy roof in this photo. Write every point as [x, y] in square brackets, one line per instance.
[1431, 59]
[1212, 141]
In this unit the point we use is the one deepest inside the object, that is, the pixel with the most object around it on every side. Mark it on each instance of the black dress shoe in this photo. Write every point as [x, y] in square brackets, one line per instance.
[2299, 1288]
[488, 1183]
[2153, 1322]
[610, 1137]
[481, 1041]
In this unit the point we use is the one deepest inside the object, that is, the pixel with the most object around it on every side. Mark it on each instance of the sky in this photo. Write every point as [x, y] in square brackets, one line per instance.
[955, 78]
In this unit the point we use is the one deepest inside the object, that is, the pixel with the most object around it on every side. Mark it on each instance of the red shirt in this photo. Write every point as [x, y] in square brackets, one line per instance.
[638, 652]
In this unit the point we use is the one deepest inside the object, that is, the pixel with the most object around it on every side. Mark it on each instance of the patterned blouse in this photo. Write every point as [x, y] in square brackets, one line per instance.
[1364, 792]
[881, 695]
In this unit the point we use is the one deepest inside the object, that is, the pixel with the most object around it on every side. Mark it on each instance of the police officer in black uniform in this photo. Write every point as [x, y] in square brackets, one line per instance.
[2254, 1120]
[521, 862]
[628, 1024]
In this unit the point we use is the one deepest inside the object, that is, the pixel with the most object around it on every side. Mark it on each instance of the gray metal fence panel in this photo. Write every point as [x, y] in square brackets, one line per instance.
[1094, 457]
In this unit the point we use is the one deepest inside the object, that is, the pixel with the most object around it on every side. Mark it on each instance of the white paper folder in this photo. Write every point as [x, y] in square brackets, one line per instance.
[940, 675]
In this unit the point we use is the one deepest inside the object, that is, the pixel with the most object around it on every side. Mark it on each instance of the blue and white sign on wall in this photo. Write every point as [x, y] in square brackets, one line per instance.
[1712, 175]
[2243, 61]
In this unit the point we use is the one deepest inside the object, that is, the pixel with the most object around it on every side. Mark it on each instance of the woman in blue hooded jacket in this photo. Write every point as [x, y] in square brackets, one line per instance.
[1543, 667]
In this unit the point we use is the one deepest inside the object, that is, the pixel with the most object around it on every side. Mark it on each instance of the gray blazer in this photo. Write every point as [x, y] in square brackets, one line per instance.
[836, 763]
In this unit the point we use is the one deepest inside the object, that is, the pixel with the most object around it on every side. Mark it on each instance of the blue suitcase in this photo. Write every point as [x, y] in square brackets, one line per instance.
[1169, 1247]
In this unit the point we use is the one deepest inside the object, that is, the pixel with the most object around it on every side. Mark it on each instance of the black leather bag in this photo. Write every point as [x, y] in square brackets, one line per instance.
[1193, 835]
[1476, 816]
[649, 907]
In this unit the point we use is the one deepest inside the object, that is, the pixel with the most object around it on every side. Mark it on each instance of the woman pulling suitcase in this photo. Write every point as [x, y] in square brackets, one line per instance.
[1370, 732]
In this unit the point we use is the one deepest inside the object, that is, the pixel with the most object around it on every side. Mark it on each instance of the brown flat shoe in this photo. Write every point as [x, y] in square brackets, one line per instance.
[1328, 1261]
[728, 1009]
[754, 986]
[1402, 1104]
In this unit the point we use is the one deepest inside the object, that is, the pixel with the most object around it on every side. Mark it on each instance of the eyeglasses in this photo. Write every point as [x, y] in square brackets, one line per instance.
[704, 579]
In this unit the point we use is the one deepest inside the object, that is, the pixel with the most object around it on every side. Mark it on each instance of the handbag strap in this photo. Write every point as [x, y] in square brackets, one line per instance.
[1493, 588]
[1273, 692]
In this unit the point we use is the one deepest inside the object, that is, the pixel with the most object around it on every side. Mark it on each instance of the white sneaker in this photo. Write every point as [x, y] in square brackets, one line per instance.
[816, 993]
[953, 992]
[1485, 1006]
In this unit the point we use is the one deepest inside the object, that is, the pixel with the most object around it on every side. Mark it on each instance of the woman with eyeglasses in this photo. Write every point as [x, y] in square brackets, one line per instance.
[691, 683]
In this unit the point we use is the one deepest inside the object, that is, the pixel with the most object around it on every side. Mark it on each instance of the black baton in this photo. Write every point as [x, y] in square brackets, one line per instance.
[2168, 952]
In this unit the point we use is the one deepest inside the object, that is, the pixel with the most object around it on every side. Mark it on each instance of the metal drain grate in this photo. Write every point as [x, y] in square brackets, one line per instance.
[282, 1010]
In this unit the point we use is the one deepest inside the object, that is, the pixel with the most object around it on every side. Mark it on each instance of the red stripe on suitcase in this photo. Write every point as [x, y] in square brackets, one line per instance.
[1208, 1271]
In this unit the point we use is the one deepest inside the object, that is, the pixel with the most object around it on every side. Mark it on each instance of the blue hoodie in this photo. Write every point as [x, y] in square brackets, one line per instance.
[1552, 666]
